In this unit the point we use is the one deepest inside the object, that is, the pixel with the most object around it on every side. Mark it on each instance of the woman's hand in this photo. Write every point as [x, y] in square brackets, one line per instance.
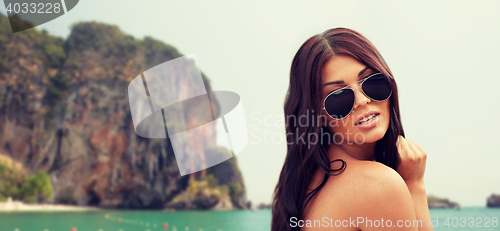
[412, 161]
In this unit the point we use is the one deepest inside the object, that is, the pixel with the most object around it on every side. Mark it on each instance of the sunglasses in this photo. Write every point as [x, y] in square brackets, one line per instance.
[339, 103]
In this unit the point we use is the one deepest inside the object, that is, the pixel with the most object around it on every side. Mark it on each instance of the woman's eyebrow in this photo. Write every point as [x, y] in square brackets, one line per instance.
[342, 81]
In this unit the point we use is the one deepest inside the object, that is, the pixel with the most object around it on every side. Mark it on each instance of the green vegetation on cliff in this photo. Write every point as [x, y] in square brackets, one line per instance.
[221, 187]
[33, 188]
[204, 193]
[36, 187]
[10, 181]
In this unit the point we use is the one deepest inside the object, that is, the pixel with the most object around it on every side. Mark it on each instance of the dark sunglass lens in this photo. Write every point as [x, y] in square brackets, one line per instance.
[377, 87]
[339, 104]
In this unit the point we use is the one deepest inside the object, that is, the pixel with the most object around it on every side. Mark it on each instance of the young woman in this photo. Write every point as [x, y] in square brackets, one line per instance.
[348, 165]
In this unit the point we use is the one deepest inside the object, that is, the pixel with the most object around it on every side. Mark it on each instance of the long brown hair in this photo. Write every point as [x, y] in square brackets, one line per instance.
[304, 101]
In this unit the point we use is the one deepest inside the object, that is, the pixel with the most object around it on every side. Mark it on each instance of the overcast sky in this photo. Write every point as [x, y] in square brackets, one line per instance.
[444, 56]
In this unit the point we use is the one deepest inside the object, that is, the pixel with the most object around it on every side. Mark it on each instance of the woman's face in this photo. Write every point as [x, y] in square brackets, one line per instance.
[349, 70]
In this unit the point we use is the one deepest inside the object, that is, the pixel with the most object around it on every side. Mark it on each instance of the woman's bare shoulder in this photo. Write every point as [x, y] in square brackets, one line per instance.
[366, 187]
[366, 174]
[370, 176]
[372, 171]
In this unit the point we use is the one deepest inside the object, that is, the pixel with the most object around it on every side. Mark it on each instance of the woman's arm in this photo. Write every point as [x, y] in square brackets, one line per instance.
[417, 191]
[412, 169]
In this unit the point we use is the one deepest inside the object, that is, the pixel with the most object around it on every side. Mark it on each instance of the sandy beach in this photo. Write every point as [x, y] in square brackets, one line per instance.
[10, 205]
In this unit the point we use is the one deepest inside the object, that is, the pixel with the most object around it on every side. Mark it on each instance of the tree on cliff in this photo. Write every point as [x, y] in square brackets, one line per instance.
[36, 187]
[9, 180]
[16, 185]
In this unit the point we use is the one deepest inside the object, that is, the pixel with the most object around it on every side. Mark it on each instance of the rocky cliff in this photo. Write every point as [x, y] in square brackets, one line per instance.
[64, 109]
[435, 202]
[493, 201]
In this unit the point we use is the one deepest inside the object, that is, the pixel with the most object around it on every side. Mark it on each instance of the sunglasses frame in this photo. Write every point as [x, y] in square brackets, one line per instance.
[360, 86]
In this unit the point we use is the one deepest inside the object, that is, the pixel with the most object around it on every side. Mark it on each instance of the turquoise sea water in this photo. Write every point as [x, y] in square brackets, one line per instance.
[204, 220]
[136, 220]
[466, 219]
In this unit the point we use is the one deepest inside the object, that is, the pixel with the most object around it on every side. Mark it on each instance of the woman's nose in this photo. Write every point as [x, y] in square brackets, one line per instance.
[360, 98]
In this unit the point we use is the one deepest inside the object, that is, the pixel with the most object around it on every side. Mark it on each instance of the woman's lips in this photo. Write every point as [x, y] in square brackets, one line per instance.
[369, 125]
